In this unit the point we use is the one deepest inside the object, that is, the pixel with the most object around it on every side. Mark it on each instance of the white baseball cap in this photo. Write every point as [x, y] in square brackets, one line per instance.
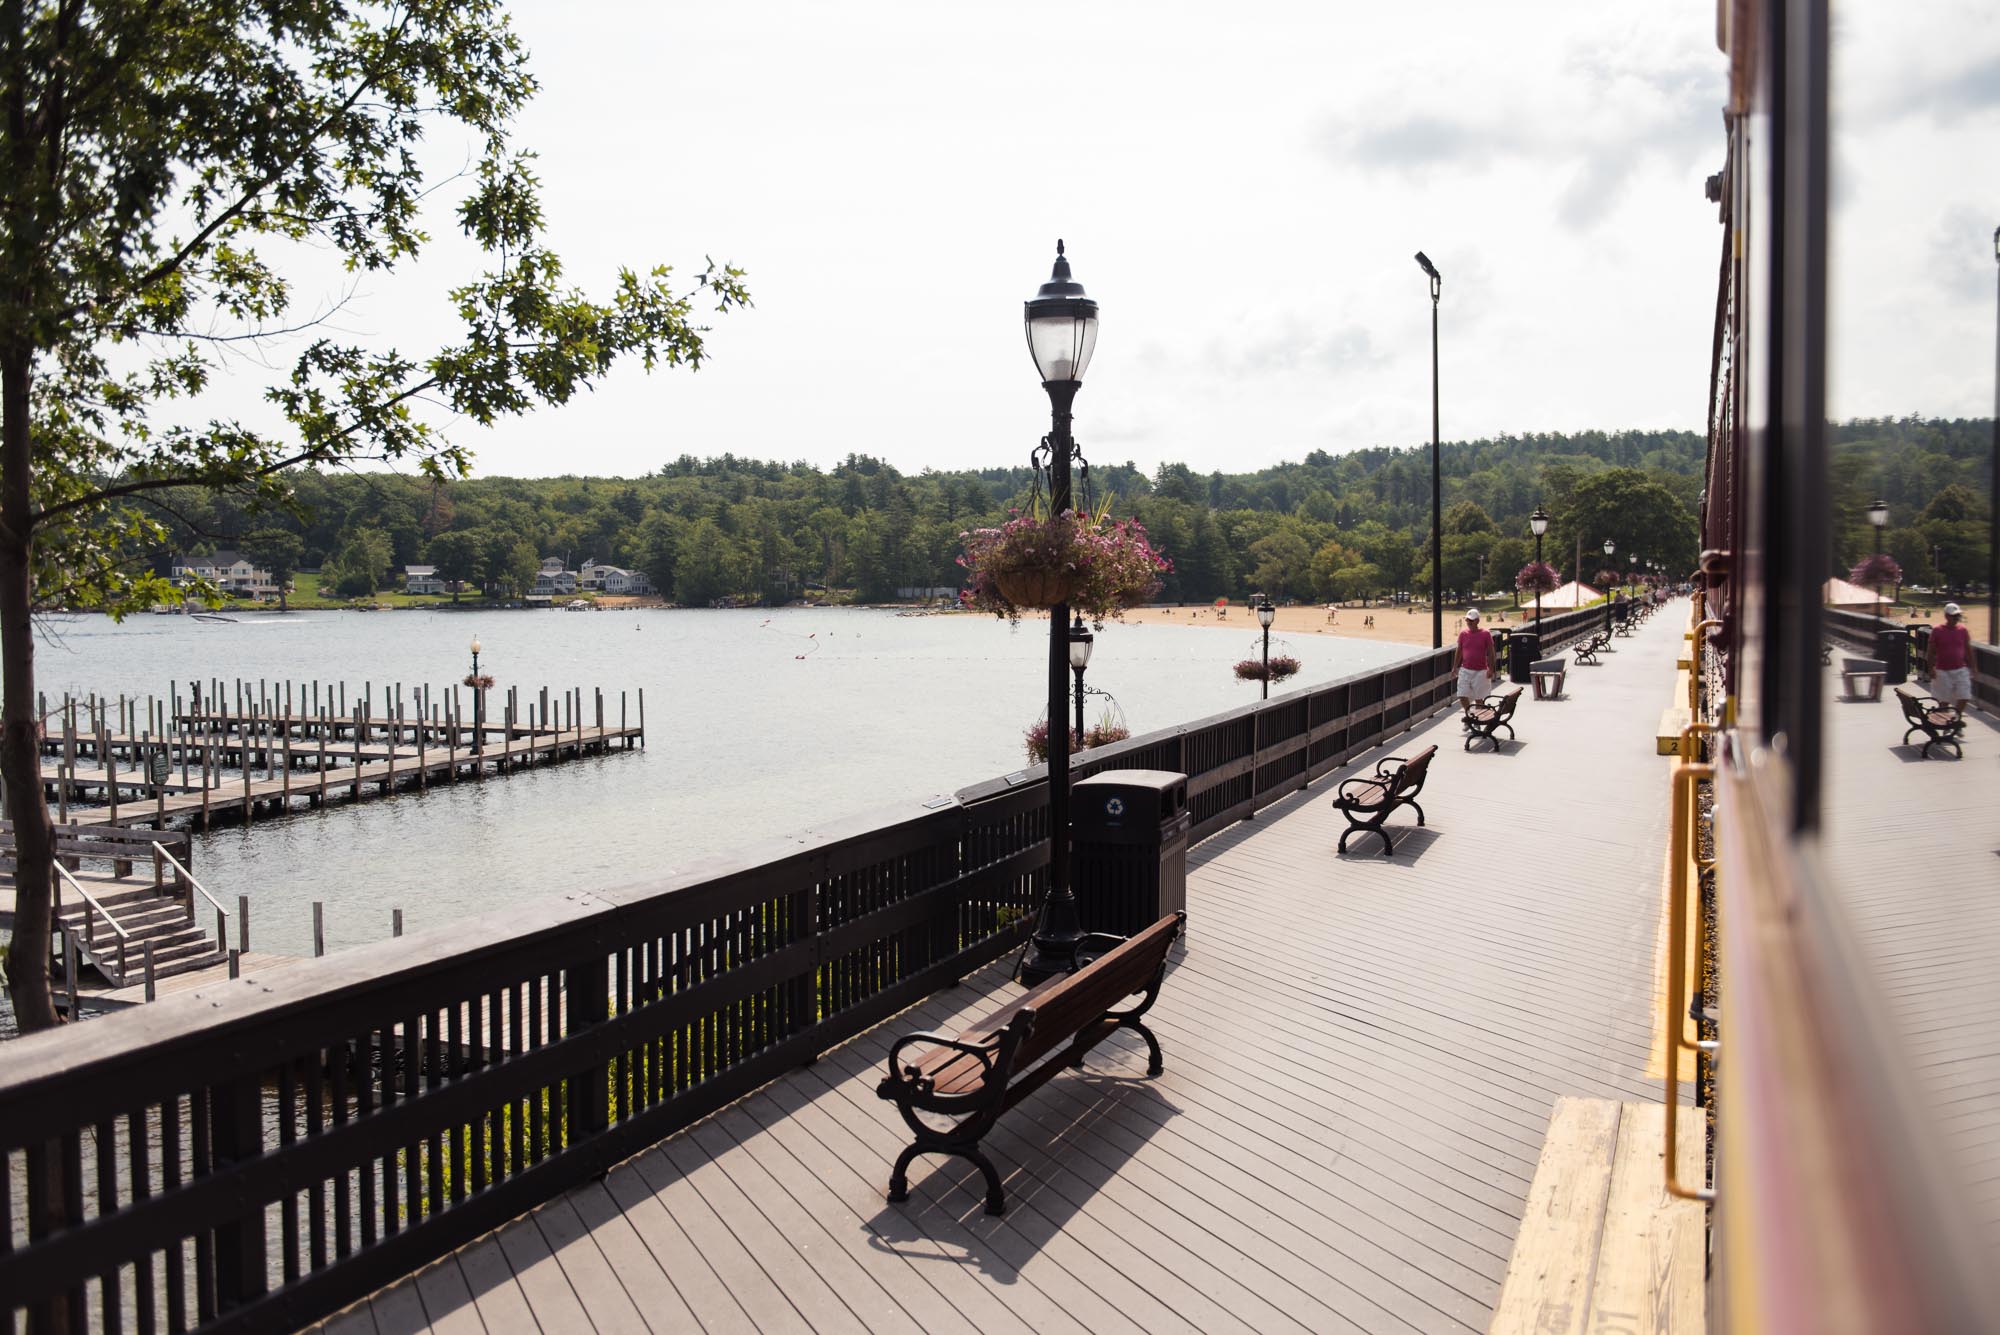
[1472, 614]
[1951, 609]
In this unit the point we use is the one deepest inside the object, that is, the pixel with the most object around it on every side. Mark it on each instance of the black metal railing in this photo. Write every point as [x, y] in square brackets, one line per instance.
[280, 1146]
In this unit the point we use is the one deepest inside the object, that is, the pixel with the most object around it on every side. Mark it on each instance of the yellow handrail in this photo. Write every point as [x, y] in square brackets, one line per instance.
[1680, 852]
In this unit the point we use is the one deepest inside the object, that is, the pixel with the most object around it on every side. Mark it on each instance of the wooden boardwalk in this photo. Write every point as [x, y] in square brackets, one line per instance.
[1362, 1059]
[1914, 847]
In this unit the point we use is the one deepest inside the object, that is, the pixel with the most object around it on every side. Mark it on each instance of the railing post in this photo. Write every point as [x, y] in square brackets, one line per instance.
[237, 1125]
[587, 1003]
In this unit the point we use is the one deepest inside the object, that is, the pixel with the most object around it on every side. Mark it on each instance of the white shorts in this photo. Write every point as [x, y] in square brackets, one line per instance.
[1473, 684]
[1952, 685]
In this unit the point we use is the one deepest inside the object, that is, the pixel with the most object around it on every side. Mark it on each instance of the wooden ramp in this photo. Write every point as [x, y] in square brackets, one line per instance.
[1603, 1249]
[1362, 1058]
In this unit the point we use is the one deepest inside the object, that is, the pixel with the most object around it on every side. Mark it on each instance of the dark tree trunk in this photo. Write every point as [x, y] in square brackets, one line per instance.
[20, 753]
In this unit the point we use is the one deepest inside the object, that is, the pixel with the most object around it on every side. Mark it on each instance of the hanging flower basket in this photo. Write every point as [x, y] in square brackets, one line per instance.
[1283, 666]
[1098, 566]
[479, 681]
[1101, 733]
[1033, 588]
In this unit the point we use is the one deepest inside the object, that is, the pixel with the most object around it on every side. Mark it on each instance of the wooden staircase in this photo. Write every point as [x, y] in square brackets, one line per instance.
[165, 922]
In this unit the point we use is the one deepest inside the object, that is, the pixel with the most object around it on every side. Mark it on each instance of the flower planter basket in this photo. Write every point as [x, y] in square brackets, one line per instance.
[1096, 565]
[1033, 588]
[1283, 666]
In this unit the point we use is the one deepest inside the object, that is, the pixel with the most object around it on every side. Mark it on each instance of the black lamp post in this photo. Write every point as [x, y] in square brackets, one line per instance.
[1437, 518]
[1062, 333]
[1609, 547]
[1266, 614]
[1080, 641]
[478, 704]
[1878, 515]
[1538, 523]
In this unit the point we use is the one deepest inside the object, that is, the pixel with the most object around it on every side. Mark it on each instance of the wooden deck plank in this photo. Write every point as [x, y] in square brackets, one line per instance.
[553, 1302]
[645, 1280]
[495, 1292]
[697, 1282]
[1547, 1291]
[767, 1307]
[448, 1305]
[1649, 1274]
[596, 1285]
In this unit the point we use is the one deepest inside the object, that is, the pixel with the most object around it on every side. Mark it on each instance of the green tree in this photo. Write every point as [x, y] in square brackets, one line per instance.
[1467, 517]
[456, 556]
[278, 551]
[711, 566]
[163, 162]
[359, 567]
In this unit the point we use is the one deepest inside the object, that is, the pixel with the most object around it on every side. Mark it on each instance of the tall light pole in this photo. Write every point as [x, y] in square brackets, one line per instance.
[1479, 589]
[478, 704]
[1062, 333]
[1538, 524]
[1878, 515]
[1266, 614]
[1437, 517]
[1080, 642]
[1610, 546]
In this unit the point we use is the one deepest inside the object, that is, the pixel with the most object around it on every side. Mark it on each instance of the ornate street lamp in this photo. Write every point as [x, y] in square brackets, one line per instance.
[478, 705]
[1062, 333]
[1437, 520]
[1538, 523]
[1878, 515]
[1266, 614]
[1609, 548]
[1080, 641]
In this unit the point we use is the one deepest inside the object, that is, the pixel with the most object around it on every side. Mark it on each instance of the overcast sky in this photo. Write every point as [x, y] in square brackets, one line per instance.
[1242, 188]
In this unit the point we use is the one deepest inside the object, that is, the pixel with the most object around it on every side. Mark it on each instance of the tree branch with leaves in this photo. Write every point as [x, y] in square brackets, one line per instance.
[164, 166]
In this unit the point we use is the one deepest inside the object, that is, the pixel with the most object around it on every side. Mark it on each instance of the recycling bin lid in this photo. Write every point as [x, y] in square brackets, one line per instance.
[1132, 778]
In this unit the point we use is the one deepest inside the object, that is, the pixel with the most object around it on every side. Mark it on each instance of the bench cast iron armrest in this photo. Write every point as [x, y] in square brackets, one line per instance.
[1342, 799]
[1382, 770]
[910, 1076]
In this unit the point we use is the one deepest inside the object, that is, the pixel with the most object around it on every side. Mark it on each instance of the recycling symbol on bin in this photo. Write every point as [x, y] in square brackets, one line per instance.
[1114, 806]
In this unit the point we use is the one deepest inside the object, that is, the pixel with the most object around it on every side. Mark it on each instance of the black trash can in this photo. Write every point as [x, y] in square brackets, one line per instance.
[1523, 648]
[1920, 648]
[1128, 848]
[1893, 648]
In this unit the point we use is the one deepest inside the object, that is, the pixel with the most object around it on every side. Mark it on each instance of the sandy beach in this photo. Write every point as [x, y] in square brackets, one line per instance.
[1392, 625]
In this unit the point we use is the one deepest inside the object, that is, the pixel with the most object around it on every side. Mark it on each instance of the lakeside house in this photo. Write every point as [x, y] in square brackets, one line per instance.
[614, 579]
[552, 579]
[425, 580]
[228, 570]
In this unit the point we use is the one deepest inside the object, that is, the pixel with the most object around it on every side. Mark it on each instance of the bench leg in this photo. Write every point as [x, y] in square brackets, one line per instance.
[1155, 1063]
[899, 1181]
[1419, 810]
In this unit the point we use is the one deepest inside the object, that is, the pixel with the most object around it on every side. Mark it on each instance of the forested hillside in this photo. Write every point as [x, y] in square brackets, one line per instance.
[1325, 527]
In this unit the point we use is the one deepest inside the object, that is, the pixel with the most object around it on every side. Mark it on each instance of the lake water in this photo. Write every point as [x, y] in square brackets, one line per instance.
[758, 724]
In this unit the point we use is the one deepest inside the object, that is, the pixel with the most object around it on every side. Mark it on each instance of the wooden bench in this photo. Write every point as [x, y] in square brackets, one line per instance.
[1939, 725]
[1588, 651]
[1368, 802]
[1548, 675]
[1489, 716]
[1862, 678]
[975, 1076]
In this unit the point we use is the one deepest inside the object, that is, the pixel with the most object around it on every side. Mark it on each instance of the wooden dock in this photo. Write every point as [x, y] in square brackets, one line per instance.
[200, 757]
[1363, 1057]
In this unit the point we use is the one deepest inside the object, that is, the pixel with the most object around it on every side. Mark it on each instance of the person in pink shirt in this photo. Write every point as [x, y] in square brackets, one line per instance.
[1951, 662]
[1474, 661]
